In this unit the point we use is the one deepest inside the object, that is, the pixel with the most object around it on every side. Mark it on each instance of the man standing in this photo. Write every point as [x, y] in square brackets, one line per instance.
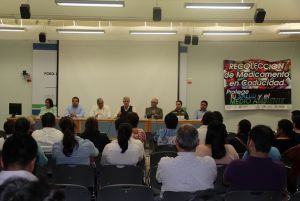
[100, 111]
[198, 114]
[180, 113]
[259, 172]
[18, 158]
[75, 110]
[186, 172]
[154, 111]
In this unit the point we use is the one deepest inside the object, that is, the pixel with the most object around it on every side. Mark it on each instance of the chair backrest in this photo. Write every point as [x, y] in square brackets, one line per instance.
[74, 192]
[295, 197]
[205, 195]
[125, 192]
[254, 195]
[83, 175]
[156, 156]
[220, 188]
[160, 148]
[120, 174]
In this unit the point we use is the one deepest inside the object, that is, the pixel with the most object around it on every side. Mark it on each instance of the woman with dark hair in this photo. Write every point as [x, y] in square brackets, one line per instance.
[49, 107]
[92, 133]
[123, 151]
[215, 144]
[72, 149]
[284, 136]
[137, 133]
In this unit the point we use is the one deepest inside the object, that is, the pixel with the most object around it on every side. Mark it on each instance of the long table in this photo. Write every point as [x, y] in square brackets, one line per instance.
[108, 125]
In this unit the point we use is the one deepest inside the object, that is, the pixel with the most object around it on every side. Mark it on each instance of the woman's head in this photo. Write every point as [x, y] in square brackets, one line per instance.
[124, 134]
[67, 127]
[91, 125]
[49, 103]
[133, 119]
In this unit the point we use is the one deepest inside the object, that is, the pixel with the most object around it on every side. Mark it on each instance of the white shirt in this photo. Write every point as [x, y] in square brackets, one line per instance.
[103, 113]
[112, 155]
[46, 137]
[202, 134]
[186, 172]
[4, 175]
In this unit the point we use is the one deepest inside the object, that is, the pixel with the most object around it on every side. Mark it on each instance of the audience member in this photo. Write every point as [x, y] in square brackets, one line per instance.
[23, 190]
[75, 110]
[154, 112]
[296, 123]
[215, 144]
[18, 158]
[258, 172]
[137, 133]
[294, 113]
[23, 127]
[100, 110]
[49, 107]
[48, 135]
[239, 142]
[186, 172]
[125, 150]
[207, 118]
[92, 133]
[180, 113]
[285, 136]
[9, 129]
[125, 108]
[218, 116]
[167, 136]
[198, 114]
[72, 149]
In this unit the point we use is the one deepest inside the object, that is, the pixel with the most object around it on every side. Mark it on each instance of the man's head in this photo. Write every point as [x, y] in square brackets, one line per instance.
[296, 122]
[203, 105]
[244, 126]
[171, 120]
[178, 105]
[154, 102]
[48, 120]
[126, 101]
[285, 127]
[22, 126]
[187, 138]
[9, 127]
[75, 101]
[260, 140]
[100, 103]
[19, 153]
[295, 113]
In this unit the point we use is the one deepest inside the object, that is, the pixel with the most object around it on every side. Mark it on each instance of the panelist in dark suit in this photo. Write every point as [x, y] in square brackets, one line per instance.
[154, 112]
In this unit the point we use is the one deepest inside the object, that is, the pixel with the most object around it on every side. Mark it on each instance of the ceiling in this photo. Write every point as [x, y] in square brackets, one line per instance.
[46, 16]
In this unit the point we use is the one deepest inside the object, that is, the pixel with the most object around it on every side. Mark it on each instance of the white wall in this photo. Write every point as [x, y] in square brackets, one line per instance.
[15, 56]
[205, 67]
[113, 69]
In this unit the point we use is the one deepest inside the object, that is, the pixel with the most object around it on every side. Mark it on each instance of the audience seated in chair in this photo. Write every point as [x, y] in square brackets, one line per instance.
[207, 118]
[125, 150]
[9, 129]
[259, 172]
[284, 136]
[215, 144]
[137, 133]
[186, 172]
[72, 149]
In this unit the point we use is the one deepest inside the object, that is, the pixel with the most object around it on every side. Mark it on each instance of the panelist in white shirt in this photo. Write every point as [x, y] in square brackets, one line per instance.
[100, 111]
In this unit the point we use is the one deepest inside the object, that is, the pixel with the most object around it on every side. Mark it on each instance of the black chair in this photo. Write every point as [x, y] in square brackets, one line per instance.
[160, 148]
[219, 186]
[205, 195]
[46, 171]
[295, 197]
[154, 160]
[83, 175]
[254, 196]
[74, 192]
[125, 192]
[120, 174]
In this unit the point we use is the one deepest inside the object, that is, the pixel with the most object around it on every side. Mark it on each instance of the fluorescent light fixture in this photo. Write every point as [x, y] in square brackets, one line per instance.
[226, 33]
[96, 3]
[153, 32]
[81, 31]
[289, 31]
[12, 29]
[230, 6]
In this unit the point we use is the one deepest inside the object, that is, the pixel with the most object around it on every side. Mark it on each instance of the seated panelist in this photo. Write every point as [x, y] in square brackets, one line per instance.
[125, 109]
[75, 110]
[154, 112]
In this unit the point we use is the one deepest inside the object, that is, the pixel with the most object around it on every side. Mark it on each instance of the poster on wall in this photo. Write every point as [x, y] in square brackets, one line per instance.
[44, 75]
[257, 84]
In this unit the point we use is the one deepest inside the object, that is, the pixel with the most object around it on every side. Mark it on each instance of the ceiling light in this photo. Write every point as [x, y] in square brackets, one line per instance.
[153, 32]
[289, 31]
[90, 3]
[226, 33]
[239, 6]
[12, 29]
[81, 31]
